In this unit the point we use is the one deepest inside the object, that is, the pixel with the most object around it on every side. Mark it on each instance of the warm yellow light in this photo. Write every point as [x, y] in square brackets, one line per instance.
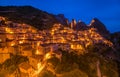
[38, 44]
[8, 30]
[12, 44]
[0, 40]
[48, 56]
[76, 47]
[72, 47]
[37, 52]
[11, 32]
[20, 42]
[40, 67]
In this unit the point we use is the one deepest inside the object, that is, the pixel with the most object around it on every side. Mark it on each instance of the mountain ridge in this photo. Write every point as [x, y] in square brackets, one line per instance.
[71, 49]
[39, 18]
[28, 15]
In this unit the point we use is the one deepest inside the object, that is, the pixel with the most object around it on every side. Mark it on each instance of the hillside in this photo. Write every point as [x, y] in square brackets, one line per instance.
[29, 15]
[34, 43]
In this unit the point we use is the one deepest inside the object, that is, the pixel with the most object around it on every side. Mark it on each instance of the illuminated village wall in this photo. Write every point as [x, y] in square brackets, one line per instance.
[38, 46]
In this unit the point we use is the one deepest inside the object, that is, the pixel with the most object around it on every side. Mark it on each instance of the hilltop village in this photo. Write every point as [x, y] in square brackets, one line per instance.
[39, 45]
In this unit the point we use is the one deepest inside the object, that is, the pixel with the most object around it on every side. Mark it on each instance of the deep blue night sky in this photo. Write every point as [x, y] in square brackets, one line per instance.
[108, 11]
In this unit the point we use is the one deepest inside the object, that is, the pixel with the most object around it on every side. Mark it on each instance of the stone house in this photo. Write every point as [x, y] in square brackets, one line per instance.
[26, 69]
[28, 51]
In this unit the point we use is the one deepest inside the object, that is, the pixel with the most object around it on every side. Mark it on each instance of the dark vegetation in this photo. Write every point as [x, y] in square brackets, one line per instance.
[86, 65]
[11, 65]
[115, 38]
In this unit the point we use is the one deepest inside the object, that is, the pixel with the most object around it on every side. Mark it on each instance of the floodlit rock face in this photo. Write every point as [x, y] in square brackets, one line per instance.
[95, 23]
[73, 24]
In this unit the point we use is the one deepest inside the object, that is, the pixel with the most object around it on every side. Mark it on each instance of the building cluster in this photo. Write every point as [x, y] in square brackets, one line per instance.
[25, 40]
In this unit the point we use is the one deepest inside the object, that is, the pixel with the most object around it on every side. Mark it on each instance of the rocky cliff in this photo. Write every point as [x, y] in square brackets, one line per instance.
[58, 48]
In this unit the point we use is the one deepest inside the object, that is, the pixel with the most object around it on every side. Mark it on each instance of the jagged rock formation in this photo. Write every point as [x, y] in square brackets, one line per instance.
[81, 26]
[95, 23]
[44, 20]
[73, 24]
[61, 51]
[77, 25]
[61, 18]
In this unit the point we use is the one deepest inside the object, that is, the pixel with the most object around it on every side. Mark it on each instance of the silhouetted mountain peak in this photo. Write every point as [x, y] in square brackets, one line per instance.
[61, 18]
[81, 25]
[96, 23]
[96, 19]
